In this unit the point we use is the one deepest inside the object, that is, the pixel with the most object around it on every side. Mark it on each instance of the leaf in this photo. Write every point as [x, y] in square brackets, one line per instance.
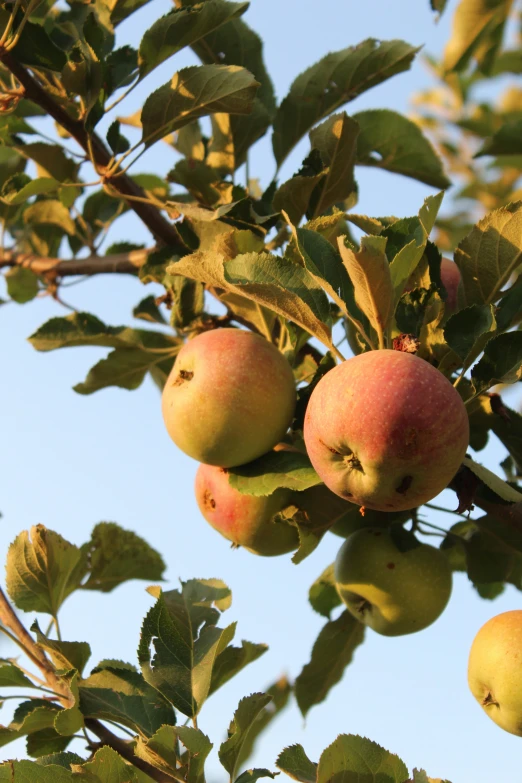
[64, 655]
[61, 760]
[43, 570]
[176, 655]
[244, 717]
[472, 21]
[51, 160]
[107, 766]
[295, 763]
[232, 660]
[323, 595]
[22, 284]
[275, 469]
[121, 695]
[332, 652]
[500, 363]
[183, 27]
[116, 555]
[509, 308]
[369, 272]
[294, 195]
[116, 140]
[123, 367]
[506, 141]
[12, 676]
[493, 482]
[353, 759]
[326, 364]
[12, 194]
[69, 721]
[469, 330]
[489, 255]
[389, 141]
[336, 139]
[148, 310]
[30, 772]
[34, 47]
[50, 212]
[328, 84]
[195, 92]
[161, 749]
[251, 775]
[280, 692]
[284, 287]
[198, 747]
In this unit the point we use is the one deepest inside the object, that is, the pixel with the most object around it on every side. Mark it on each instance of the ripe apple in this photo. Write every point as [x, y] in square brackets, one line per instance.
[450, 276]
[229, 398]
[245, 520]
[393, 592]
[386, 430]
[495, 670]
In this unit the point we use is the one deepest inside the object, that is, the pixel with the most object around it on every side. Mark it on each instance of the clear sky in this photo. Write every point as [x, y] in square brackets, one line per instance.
[69, 461]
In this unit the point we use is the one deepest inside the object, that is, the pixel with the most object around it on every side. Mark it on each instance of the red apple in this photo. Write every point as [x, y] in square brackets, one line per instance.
[229, 398]
[386, 430]
[246, 520]
[450, 276]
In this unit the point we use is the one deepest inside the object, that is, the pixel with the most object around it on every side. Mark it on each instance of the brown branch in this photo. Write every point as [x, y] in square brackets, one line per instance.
[119, 263]
[125, 750]
[160, 228]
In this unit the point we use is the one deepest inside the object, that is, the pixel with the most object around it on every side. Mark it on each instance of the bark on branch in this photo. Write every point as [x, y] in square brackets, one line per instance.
[160, 228]
[119, 263]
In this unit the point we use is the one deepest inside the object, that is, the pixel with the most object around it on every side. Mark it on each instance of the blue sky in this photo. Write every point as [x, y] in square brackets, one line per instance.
[70, 461]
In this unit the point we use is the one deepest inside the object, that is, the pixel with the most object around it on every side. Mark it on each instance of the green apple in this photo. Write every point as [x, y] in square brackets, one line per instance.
[495, 670]
[229, 398]
[391, 591]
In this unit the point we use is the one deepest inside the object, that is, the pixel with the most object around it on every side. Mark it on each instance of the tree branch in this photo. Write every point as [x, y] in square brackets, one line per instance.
[119, 263]
[125, 750]
[160, 228]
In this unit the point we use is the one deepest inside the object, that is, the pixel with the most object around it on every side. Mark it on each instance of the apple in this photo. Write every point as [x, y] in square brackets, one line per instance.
[246, 520]
[495, 670]
[450, 276]
[386, 430]
[392, 592]
[229, 398]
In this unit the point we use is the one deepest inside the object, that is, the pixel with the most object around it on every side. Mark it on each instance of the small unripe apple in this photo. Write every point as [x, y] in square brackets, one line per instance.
[495, 670]
[386, 430]
[229, 398]
[392, 592]
[450, 276]
[246, 520]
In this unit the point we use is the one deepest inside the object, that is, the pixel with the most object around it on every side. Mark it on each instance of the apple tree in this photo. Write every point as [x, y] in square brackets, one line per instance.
[330, 370]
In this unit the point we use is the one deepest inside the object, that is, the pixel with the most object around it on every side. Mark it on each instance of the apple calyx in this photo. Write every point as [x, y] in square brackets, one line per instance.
[489, 700]
[183, 376]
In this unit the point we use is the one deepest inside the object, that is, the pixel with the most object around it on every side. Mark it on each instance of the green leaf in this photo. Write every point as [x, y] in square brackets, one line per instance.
[507, 426]
[198, 747]
[11, 194]
[333, 81]
[275, 469]
[195, 92]
[12, 676]
[369, 272]
[468, 331]
[244, 717]
[353, 759]
[115, 139]
[22, 284]
[69, 721]
[116, 555]
[107, 766]
[30, 772]
[295, 763]
[183, 27]
[50, 212]
[472, 23]
[489, 255]
[61, 760]
[123, 367]
[493, 482]
[501, 362]
[506, 141]
[51, 160]
[34, 47]
[389, 141]
[326, 364]
[232, 660]
[332, 652]
[64, 655]
[337, 141]
[294, 195]
[251, 775]
[148, 310]
[176, 657]
[43, 570]
[121, 695]
[414, 308]
[280, 692]
[323, 595]
[509, 308]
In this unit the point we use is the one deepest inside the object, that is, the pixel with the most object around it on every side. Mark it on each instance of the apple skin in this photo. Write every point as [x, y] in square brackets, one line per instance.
[495, 670]
[246, 520]
[450, 276]
[393, 592]
[386, 430]
[229, 398]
